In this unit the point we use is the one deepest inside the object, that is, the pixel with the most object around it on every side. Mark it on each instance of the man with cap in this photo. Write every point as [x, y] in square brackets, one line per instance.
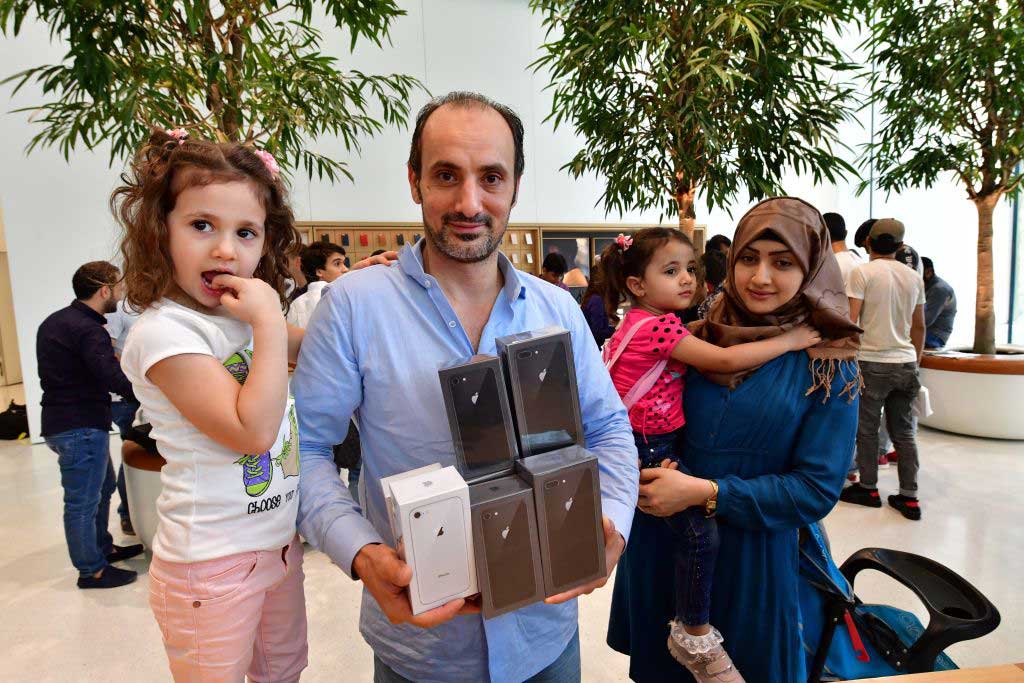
[887, 299]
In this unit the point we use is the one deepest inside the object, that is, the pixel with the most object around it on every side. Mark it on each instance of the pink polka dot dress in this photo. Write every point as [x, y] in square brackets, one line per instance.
[660, 411]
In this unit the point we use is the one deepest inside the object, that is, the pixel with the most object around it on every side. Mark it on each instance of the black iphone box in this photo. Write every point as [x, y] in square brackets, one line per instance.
[476, 401]
[541, 375]
[506, 545]
[567, 495]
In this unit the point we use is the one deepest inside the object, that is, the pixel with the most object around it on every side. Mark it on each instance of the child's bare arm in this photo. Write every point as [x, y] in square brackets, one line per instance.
[704, 356]
[245, 418]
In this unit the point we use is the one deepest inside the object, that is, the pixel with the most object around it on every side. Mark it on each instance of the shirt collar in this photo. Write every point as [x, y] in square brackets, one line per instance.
[84, 308]
[410, 260]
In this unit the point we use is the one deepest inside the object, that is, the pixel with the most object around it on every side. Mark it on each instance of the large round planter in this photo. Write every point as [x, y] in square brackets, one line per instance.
[142, 479]
[975, 394]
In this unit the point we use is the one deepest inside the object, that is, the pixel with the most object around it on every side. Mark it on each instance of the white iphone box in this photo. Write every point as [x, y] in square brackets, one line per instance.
[435, 536]
[385, 484]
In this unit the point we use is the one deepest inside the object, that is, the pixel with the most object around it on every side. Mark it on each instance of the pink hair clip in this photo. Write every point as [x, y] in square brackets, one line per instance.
[270, 162]
[178, 134]
[624, 242]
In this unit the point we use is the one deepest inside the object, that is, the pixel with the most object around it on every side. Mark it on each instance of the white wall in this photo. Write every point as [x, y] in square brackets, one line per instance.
[56, 212]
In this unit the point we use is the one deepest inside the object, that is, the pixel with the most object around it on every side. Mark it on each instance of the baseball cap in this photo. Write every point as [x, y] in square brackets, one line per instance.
[887, 226]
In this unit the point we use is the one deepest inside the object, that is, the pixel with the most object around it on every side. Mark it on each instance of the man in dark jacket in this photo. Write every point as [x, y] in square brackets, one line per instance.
[77, 371]
[939, 307]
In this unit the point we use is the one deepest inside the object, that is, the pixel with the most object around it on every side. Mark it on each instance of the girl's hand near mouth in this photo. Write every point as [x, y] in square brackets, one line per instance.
[250, 300]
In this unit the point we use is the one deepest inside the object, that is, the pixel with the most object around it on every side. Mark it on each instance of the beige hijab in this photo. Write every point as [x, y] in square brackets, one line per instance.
[821, 300]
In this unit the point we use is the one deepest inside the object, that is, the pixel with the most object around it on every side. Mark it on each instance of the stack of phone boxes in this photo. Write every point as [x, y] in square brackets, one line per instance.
[536, 520]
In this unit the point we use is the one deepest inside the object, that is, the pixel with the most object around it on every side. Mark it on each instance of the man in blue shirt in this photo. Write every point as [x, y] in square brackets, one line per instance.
[373, 348]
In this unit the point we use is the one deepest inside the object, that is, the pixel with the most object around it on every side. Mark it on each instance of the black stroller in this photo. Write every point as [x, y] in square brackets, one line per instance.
[845, 639]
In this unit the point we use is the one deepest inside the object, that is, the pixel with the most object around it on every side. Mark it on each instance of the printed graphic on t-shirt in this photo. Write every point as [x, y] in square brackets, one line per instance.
[258, 470]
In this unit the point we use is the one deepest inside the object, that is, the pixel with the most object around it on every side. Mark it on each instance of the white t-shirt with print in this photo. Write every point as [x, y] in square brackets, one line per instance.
[890, 292]
[215, 502]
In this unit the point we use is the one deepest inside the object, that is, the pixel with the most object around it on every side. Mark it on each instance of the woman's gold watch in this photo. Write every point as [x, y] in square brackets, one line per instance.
[711, 504]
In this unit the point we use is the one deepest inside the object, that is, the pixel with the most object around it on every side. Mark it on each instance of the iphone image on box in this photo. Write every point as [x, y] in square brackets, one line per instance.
[539, 368]
[506, 543]
[437, 539]
[566, 491]
[479, 417]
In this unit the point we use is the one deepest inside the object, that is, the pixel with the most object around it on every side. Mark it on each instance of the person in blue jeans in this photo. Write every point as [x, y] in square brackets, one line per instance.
[123, 413]
[77, 372]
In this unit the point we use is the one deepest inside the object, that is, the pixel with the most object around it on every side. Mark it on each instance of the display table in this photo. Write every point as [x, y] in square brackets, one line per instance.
[1007, 673]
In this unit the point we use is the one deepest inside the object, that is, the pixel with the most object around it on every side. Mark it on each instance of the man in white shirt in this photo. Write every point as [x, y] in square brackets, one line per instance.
[887, 299]
[848, 260]
[322, 264]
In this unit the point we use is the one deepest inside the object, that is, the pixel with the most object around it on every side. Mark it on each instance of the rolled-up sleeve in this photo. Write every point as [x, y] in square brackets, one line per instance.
[606, 427]
[328, 388]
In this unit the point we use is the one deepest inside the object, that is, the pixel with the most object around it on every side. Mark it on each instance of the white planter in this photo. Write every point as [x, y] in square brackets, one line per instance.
[979, 403]
[142, 479]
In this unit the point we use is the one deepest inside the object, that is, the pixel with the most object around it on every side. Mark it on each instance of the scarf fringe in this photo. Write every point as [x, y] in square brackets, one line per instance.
[823, 372]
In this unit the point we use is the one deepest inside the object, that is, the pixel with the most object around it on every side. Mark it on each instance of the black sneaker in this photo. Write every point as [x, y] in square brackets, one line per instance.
[120, 553]
[126, 527]
[908, 507]
[112, 577]
[858, 495]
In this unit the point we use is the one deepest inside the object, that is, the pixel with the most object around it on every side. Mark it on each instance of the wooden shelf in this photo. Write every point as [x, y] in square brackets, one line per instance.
[522, 243]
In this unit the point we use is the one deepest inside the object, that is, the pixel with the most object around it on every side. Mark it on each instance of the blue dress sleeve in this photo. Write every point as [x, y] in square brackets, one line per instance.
[810, 488]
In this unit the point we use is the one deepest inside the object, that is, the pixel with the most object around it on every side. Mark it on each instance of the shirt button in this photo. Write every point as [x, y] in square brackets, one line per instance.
[451, 323]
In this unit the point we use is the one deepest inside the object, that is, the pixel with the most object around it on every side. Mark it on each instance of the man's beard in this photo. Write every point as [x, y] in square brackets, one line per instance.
[469, 249]
[110, 305]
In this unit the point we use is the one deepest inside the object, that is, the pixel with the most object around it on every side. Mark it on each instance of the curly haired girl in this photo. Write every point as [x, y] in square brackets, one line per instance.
[206, 230]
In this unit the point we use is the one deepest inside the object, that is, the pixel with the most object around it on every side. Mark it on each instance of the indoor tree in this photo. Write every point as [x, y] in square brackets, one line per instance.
[249, 71]
[949, 82]
[676, 98]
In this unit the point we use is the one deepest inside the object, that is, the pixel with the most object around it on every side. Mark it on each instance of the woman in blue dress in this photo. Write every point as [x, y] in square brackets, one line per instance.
[768, 449]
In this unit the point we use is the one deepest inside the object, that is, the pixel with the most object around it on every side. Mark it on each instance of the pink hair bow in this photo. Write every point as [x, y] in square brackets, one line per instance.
[178, 134]
[269, 161]
[624, 242]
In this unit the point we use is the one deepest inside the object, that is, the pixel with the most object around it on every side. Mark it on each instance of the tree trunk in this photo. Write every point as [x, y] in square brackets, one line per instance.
[984, 309]
[687, 217]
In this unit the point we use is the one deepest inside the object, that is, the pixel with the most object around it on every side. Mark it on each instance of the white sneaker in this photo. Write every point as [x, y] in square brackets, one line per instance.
[703, 656]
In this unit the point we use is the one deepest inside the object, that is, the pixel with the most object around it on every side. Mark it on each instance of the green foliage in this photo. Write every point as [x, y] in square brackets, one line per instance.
[249, 71]
[949, 81]
[677, 95]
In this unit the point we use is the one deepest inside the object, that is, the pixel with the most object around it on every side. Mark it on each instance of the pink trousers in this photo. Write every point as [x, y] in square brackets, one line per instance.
[239, 615]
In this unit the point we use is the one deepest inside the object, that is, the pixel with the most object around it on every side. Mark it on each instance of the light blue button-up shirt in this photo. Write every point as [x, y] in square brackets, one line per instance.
[373, 348]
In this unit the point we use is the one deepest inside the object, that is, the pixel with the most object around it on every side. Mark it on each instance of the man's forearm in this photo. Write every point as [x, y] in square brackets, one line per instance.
[328, 517]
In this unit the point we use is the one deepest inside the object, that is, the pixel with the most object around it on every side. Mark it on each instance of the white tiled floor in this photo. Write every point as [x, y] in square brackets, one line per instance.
[54, 632]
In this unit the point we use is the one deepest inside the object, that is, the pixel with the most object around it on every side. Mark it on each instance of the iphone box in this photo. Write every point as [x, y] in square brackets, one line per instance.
[476, 400]
[541, 376]
[389, 504]
[432, 514]
[567, 497]
[508, 564]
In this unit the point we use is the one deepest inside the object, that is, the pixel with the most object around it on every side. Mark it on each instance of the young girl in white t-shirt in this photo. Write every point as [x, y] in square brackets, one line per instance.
[206, 229]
